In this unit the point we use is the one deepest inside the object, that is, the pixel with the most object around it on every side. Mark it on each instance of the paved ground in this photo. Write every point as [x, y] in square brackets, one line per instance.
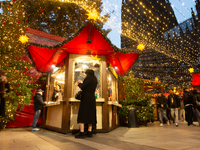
[151, 137]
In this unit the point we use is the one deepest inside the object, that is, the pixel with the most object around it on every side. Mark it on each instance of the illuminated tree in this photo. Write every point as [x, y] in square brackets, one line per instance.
[61, 18]
[133, 97]
[14, 60]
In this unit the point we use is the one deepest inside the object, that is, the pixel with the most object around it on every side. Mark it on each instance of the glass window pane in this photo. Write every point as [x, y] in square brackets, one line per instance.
[81, 64]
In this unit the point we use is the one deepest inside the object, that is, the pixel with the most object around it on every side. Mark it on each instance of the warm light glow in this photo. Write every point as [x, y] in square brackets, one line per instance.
[141, 47]
[156, 79]
[60, 76]
[23, 39]
[85, 66]
[191, 70]
[93, 15]
[109, 78]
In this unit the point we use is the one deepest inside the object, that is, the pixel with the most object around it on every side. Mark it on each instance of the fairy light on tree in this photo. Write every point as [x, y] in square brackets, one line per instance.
[12, 56]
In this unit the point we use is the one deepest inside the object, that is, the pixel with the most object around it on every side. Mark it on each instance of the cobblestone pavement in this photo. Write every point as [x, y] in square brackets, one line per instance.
[151, 137]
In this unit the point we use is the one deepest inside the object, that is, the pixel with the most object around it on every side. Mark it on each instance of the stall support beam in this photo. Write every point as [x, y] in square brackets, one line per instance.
[67, 94]
[105, 119]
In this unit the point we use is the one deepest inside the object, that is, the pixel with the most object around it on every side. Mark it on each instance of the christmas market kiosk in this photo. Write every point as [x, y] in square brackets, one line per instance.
[66, 62]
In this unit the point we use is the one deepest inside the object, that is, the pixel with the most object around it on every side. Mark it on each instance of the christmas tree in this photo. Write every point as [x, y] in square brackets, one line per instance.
[14, 60]
[133, 97]
[62, 18]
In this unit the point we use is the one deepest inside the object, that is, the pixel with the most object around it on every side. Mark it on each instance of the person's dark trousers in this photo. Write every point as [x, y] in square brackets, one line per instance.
[188, 110]
[169, 115]
[35, 119]
[2, 106]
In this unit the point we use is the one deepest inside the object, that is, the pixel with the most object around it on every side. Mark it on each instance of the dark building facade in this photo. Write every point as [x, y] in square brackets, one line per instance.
[171, 48]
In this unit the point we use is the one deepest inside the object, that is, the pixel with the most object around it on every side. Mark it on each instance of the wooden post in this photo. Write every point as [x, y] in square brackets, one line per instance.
[67, 93]
[105, 119]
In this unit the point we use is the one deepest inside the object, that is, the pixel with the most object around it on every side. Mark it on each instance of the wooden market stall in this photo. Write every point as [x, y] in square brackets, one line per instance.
[149, 87]
[66, 62]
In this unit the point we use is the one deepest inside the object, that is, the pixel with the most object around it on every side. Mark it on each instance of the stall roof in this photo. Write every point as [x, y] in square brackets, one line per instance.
[44, 56]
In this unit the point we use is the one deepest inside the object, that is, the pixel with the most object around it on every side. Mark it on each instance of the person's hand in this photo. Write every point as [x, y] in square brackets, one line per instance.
[79, 81]
[161, 105]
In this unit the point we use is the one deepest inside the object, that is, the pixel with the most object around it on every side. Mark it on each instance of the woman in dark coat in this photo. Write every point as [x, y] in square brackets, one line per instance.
[87, 109]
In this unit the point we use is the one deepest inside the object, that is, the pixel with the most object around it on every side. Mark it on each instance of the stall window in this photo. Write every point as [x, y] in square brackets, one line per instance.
[57, 83]
[81, 64]
[112, 83]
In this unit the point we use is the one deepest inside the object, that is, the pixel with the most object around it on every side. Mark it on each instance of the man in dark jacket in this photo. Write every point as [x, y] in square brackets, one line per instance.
[189, 103]
[197, 104]
[38, 106]
[162, 106]
[174, 105]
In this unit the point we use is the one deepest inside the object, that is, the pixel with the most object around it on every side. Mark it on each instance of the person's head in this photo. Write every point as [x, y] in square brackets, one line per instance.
[2, 73]
[159, 94]
[58, 87]
[171, 91]
[40, 91]
[89, 72]
[185, 89]
[198, 88]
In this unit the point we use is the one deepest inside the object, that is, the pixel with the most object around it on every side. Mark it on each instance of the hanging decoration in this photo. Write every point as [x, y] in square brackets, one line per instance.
[93, 15]
[23, 39]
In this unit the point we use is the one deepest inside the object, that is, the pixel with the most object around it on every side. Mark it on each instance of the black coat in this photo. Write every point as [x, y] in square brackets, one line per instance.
[38, 102]
[176, 101]
[87, 109]
[162, 100]
[196, 97]
[188, 98]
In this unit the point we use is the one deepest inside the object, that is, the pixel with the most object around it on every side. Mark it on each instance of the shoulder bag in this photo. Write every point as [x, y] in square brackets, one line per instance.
[79, 95]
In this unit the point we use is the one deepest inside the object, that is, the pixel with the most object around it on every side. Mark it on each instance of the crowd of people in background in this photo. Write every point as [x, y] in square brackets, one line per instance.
[177, 107]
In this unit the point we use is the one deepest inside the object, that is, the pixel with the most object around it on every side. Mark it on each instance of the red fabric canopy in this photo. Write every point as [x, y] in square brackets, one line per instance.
[45, 57]
[196, 79]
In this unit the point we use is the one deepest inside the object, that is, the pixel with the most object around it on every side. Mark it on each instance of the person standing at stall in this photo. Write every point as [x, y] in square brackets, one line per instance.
[38, 106]
[57, 94]
[87, 109]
